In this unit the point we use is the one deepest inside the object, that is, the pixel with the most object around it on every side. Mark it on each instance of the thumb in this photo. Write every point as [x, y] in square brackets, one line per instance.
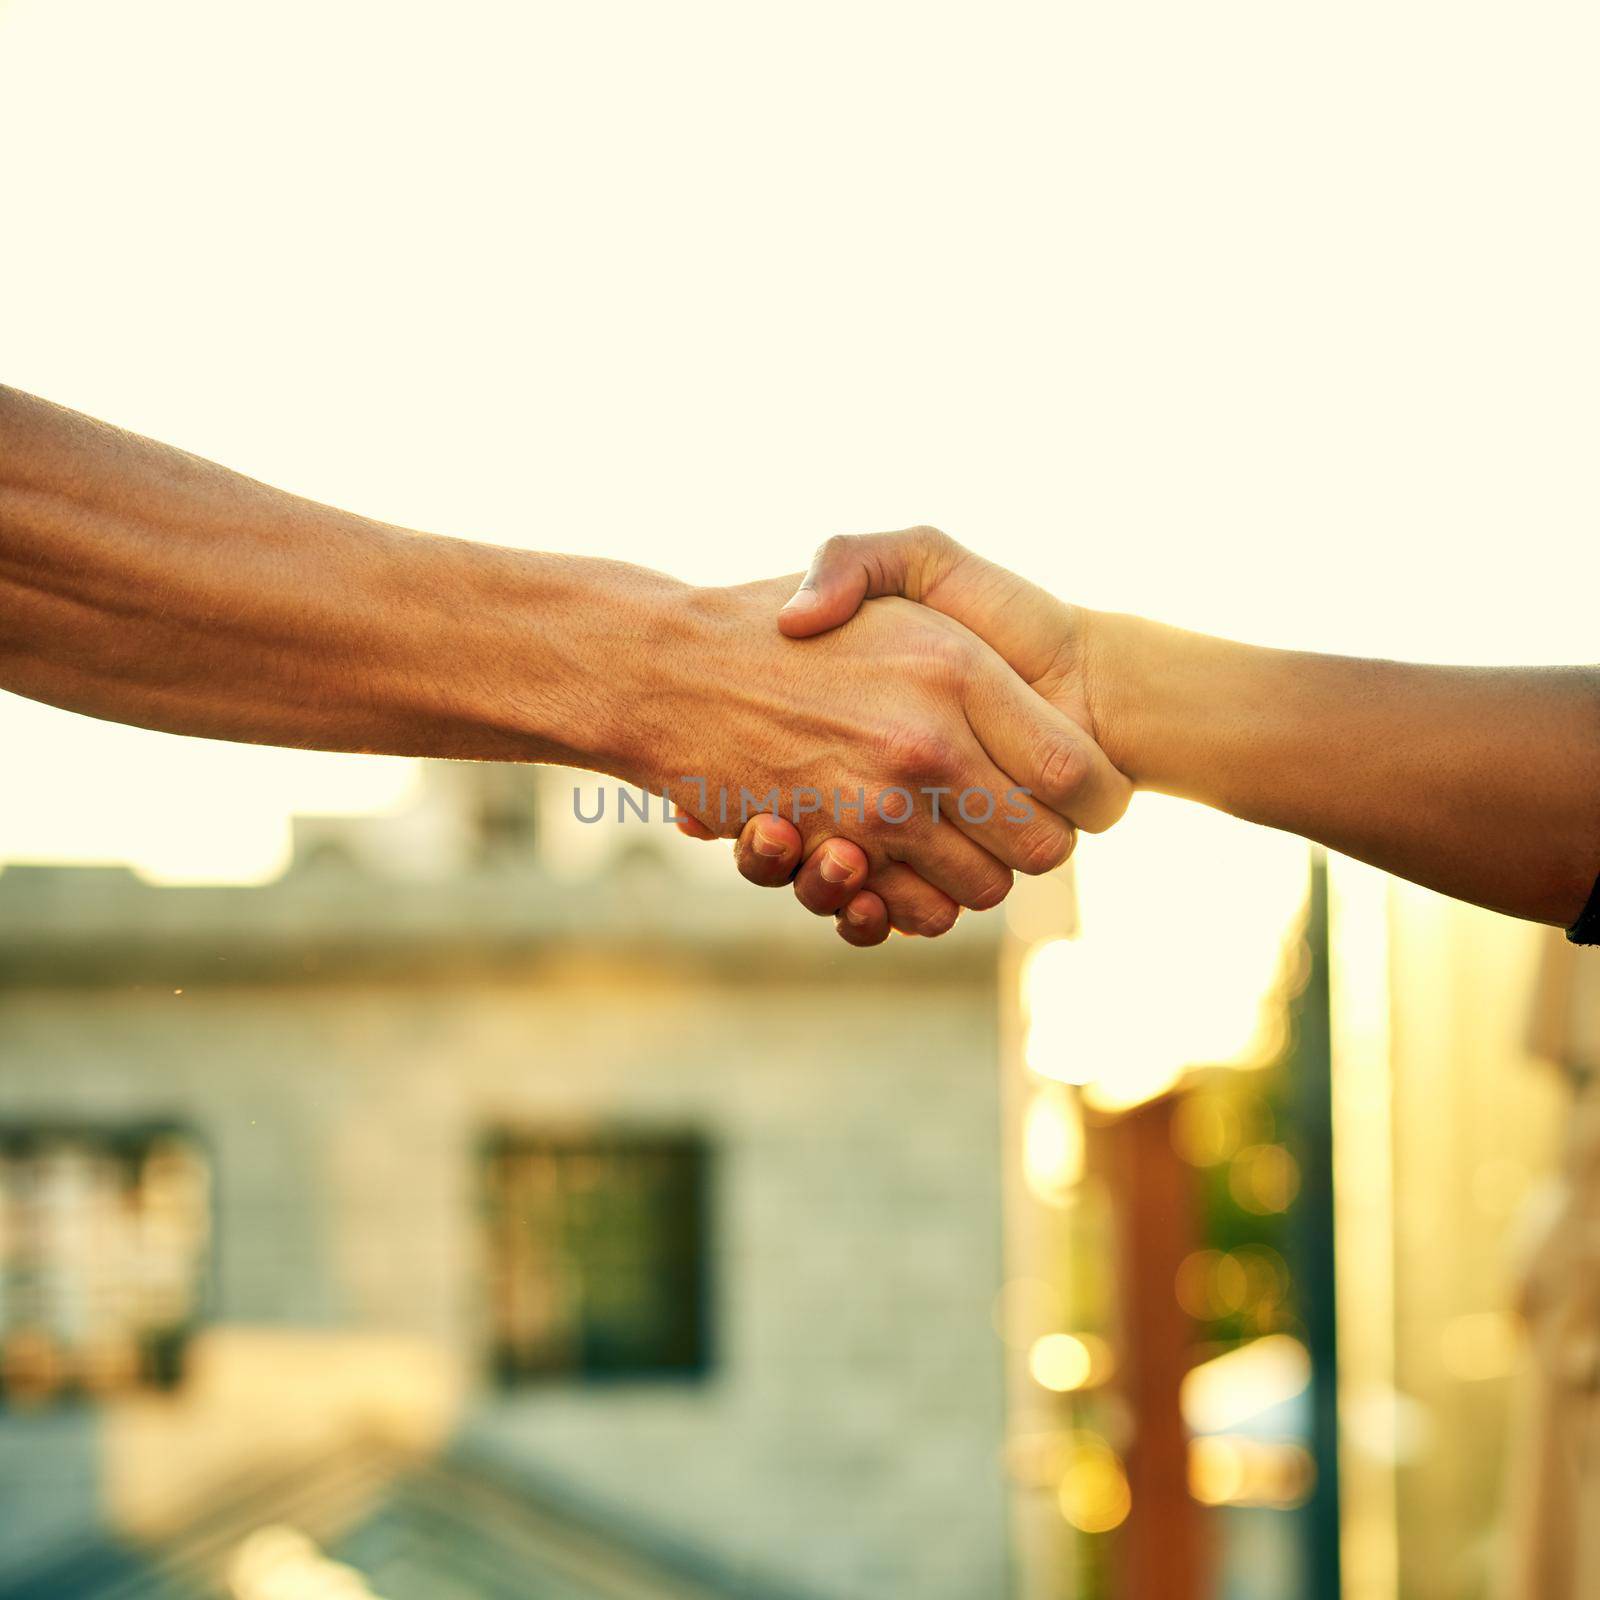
[850, 568]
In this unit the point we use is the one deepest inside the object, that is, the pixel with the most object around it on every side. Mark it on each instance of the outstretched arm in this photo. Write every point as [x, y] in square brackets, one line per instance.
[1480, 782]
[1483, 783]
[144, 585]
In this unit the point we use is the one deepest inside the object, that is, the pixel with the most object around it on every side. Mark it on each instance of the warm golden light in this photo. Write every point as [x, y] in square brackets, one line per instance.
[1264, 1179]
[1132, 1083]
[1092, 1018]
[281, 1563]
[1266, 1282]
[1499, 1185]
[1093, 1494]
[1228, 1390]
[1061, 1362]
[1211, 1284]
[1054, 1045]
[1052, 1144]
[1479, 1346]
[1229, 1471]
[1205, 1129]
[1216, 1470]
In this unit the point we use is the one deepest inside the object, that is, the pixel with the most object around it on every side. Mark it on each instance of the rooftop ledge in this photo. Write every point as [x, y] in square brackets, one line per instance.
[88, 926]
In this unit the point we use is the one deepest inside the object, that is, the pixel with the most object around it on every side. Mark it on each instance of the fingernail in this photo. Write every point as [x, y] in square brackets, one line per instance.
[802, 599]
[765, 845]
[855, 914]
[833, 870]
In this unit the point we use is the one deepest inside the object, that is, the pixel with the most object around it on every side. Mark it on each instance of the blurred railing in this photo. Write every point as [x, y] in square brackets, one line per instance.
[394, 1529]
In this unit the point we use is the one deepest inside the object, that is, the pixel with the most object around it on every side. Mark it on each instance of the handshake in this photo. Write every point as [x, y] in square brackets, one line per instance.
[914, 726]
[907, 764]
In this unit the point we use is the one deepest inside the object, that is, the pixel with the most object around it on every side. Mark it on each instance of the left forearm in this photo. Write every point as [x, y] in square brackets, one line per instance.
[144, 585]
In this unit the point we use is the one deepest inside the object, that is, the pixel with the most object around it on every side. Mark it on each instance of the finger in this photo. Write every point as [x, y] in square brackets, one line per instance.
[831, 875]
[950, 861]
[1019, 831]
[850, 568]
[768, 850]
[864, 921]
[912, 903]
[1047, 753]
[693, 829]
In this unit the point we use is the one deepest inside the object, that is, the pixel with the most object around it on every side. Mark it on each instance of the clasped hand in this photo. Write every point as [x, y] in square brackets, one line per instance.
[958, 679]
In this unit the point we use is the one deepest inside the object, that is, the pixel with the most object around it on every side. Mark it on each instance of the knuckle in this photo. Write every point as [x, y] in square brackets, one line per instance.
[938, 920]
[915, 753]
[1042, 847]
[989, 890]
[941, 655]
[1064, 769]
[950, 653]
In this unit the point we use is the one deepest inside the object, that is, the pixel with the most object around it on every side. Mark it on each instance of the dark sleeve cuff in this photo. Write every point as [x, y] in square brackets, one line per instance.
[1586, 930]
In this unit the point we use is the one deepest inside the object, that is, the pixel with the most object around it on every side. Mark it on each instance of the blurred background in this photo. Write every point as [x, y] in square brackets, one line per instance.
[407, 1190]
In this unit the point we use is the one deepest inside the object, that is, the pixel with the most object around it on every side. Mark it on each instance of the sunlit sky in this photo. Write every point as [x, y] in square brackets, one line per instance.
[1278, 321]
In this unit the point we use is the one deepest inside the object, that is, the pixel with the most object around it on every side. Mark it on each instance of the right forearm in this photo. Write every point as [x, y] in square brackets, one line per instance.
[1481, 782]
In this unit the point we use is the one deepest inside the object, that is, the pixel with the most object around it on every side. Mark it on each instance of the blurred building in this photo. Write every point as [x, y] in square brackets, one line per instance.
[1449, 1116]
[1268, 1342]
[494, 1190]
[504, 1205]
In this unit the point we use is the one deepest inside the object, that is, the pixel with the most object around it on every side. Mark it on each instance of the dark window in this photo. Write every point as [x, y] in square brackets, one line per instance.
[104, 1237]
[597, 1256]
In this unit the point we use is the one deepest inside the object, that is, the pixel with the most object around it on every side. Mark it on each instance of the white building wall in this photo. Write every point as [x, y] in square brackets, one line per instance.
[847, 1440]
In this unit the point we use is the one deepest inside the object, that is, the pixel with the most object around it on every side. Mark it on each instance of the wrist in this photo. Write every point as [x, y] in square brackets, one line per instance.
[550, 657]
[1132, 670]
[627, 644]
[1184, 713]
[654, 696]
